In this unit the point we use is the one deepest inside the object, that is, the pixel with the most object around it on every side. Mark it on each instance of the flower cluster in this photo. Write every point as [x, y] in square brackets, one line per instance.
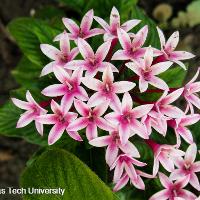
[93, 97]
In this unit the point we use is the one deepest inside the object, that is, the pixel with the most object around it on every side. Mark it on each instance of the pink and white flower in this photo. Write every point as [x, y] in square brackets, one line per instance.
[188, 167]
[107, 89]
[114, 144]
[147, 72]
[91, 119]
[168, 49]
[61, 120]
[84, 31]
[111, 30]
[127, 117]
[59, 57]
[69, 87]
[173, 190]
[93, 62]
[33, 110]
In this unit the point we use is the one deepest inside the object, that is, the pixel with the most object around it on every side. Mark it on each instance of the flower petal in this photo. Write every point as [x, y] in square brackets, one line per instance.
[120, 55]
[61, 74]
[130, 149]
[91, 83]
[85, 49]
[123, 86]
[142, 110]
[114, 18]
[25, 119]
[102, 51]
[87, 20]
[121, 183]
[96, 99]
[101, 141]
[21, 104]
[47, 69]
[50, 51]
[91, 131]
[64, 43]
[47, 119]
[124, 39]
[194, 181]
[71, 25]
[127, 102]
[127, 26]
[163, 194]
[158, 83]
[172, 111]
[172, 42]
[111, 154]
[162, 37]
[158, 68]
[54, 90]
[181, 55]
[165, 181]
[103, 23]
[190, 154]
[78, 124]
[74, 135]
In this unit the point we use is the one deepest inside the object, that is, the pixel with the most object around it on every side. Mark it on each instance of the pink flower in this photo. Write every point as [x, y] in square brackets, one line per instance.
[147, 72]
[131, 49]
[167, 49]
[125, 162]
[69, 87]
[111, 30]
[126, 118]
[114, 145]
[93, 62]
[106, 90]
[91, 119]
[187, 166]
[137, 182]
[165, 155]
[190, 92]
[32, 111]
[84, 31]
[59, 57]
[180, 129]
[163, 106]
[61, 120]
[173, 191]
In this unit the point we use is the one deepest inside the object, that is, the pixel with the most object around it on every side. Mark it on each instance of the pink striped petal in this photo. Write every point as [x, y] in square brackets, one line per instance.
[123, 86]
[91, 131]
[138, 183]
[130, 149]
[39, 128]
[127, 26]
[96, 99]
[74, 52]
[71, 25]
[94, 32]
[74, 135]
[108, 75]
[21, 104]
[121, 183]
[114, 18]
[176, 174]
[196, 166]
[155, 166]
[25, 119]
[172, 111]
[163, 194]
[55, 133]
[87, 20]
[120, 55]
[100, 109]
[165, 181]
[124, 39]
[78, 124]
[47, 119]
[103, 124]
[189, 120]
[54, 90]
[55, 107]
[47, 69]
[112, 118]
[102, 51]
[111, 153]
[194, 181]
[124, 133]
[148, 57]
[85, 49]
[130, 170]
[194, 77]
[158, 83]
[61, 74]
[194, 87]
[75, 64]
[190, 154]
[162, 38]
[50, 51]
[82, 94]
[181, 183]
[172, 42]
[30, 98]
[194, 100]
[91, 83]
[77, 75]
[135, 67]
[103, 23]
[81, 107]
[115, 103]
[185, 194]
[143, 84]
[127, 102]
[66, 103]
[181, 55]
[167, 163]
[160, 67]
[101, 141]
[64, 43]
[142, 110]
[118, 171]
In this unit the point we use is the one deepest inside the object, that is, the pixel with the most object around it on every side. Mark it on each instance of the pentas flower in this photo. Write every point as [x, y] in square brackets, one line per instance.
[164, 154]
[173, 190]
[190, 92]
[147, 72]
[111, 30]
[33, 110]
[168, 47]
[180, 128]
[59, 57]
[91, 119]
[137, 182]
[125, 162]
[69, 87]
[132, 50]
[107, 90]
[93, 62]
[127, 117]
[84, 31]
[114, 145]
[61, 120]
[163, 106]
[188, 166]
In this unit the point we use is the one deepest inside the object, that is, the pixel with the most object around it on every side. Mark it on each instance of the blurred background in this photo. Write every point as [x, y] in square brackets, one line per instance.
[170, 15]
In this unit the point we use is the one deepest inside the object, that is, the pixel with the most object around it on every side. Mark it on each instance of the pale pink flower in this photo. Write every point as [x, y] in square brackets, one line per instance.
[114, 145]
[111, 30]
[84, 31]
[69, 87]
[173, 190]
[132, 50]
[164, 154]
[190, 92]
[127, 117]
[147, 72]
[180, 128]
[163, 106]
[59, 57]
[93, 62]
[107, 88]
[137, 181]
[167, 49]
[61, 120]
[32, 111]
[125, 163]
[188, 166]
[91, 119]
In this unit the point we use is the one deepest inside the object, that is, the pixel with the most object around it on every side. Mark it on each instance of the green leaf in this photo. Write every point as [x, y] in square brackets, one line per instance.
[29, 33]
[59, 169]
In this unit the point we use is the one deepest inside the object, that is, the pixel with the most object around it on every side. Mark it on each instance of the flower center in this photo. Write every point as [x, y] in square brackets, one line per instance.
[115, 136]
[81, 34]
[91, 116]
[174, 193]
[127, 117]
[146, 75]
[64, 58]
[92, 61]
[187, 166]
[70, 86]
